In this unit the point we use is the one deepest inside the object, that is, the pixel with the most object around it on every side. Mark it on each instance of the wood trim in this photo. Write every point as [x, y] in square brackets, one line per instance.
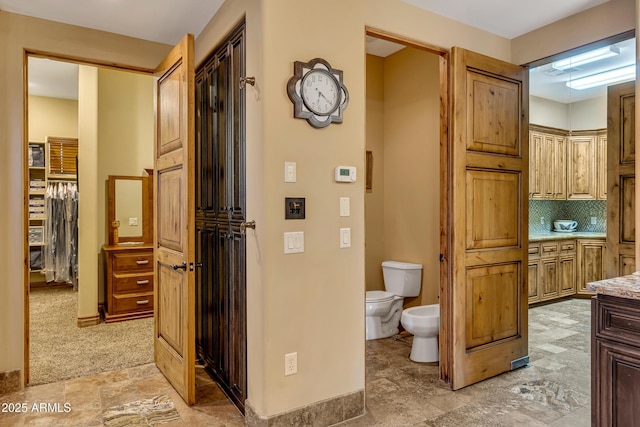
[390, 37]
[88, 321]
[86, 61]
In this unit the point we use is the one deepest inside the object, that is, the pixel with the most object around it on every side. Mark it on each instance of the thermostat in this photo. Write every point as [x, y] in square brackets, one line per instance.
[345, 174]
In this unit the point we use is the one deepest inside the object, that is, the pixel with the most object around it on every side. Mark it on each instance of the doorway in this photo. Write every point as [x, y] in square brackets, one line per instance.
[124, 125]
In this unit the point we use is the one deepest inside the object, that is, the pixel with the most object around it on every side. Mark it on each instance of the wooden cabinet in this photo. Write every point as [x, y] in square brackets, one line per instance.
[581, 167]
[615, 361]
[591, 262]
[547, 171]
[563, 167]
[552, 270]
[129, 282]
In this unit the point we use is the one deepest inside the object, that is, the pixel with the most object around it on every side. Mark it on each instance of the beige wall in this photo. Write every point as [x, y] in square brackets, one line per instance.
[598, 23]
[52, 117]
[374, 198]
[412, 165]
[18, 33]
[585, 115]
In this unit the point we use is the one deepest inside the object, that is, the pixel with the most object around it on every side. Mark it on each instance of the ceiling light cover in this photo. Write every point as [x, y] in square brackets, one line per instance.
[618, 75]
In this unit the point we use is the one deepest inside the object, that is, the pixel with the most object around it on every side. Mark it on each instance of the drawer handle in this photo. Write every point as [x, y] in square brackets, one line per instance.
[142, 262]
[142, 282]
[143, 302]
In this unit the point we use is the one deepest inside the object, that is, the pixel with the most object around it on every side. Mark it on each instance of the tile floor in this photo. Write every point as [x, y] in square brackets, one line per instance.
[554, 389]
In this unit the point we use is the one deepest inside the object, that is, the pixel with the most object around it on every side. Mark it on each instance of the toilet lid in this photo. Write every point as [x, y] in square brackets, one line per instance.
[378, 296]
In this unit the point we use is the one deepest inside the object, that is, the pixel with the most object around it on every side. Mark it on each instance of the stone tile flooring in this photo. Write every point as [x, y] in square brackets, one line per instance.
[553, 390]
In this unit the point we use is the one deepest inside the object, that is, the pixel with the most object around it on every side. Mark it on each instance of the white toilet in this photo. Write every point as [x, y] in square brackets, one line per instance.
[424, 323]
[383, 309]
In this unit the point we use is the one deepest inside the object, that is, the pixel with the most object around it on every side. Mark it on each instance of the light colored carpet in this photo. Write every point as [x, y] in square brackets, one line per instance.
[61, 350]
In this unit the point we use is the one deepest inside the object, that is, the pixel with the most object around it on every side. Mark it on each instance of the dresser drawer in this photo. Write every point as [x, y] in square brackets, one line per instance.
[132, 283]
[127, 262]
[132, 302]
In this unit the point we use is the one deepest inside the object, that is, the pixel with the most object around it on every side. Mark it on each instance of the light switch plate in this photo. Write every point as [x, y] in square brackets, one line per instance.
[294, 242]
[345, 238]
[345, 206]
[289, 171]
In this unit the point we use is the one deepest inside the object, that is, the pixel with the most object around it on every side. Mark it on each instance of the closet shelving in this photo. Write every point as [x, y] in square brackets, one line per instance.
[51, 160]
[37, 190]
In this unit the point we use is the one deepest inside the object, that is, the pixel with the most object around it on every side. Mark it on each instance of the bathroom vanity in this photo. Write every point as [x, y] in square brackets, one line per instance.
[615, 351]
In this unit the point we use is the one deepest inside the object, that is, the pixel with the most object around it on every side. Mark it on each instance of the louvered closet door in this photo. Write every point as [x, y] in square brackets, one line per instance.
[220, 212]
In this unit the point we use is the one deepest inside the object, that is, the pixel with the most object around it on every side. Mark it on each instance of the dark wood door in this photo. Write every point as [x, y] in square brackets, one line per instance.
[487, 298]
[220, 211]
[621, 180]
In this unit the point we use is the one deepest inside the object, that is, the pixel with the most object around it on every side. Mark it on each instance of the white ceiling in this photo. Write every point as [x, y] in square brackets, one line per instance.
[167, 21]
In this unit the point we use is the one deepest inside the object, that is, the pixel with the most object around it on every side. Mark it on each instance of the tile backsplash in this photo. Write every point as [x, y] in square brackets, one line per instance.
[578, 210]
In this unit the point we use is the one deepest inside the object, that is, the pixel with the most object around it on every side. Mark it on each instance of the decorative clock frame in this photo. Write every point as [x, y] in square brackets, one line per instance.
[303, 107]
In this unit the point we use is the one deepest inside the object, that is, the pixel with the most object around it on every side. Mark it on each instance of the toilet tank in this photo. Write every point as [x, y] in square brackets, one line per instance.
[402, 278]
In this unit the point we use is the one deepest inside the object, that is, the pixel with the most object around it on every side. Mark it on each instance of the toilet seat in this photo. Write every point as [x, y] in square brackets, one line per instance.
[378, 296]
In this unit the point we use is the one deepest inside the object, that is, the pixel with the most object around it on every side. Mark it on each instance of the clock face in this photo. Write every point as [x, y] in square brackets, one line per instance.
[318, 93]
[321, 92]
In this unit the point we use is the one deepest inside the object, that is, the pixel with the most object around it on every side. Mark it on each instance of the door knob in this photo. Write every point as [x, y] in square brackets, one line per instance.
[247, 224]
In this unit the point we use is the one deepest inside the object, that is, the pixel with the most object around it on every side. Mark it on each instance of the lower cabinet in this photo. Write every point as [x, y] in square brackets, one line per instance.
[561, 268]
[591, 259]
[552, 270]
[615, 361]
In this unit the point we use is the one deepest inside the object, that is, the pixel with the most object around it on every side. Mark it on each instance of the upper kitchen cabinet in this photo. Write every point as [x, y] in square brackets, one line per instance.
[567, 165]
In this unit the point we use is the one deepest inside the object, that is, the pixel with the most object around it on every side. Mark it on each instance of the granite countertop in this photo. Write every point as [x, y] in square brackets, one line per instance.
[554, 235]
[624, 286]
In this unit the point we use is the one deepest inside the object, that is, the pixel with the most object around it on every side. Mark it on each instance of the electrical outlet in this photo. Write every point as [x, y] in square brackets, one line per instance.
[133, 221]
[290, 363]
[594, 220]
[542, 220]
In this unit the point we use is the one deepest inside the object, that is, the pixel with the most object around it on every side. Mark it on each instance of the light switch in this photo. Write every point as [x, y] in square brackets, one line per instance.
[345, 238]
[133, 221]
[289, 171]
[294, 242]
[345, 206]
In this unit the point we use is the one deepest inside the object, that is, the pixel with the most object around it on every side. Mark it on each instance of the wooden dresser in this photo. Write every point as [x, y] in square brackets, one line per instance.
[129, 282]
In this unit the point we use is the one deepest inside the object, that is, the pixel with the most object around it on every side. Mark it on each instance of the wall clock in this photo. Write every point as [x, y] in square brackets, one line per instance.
[318, 93]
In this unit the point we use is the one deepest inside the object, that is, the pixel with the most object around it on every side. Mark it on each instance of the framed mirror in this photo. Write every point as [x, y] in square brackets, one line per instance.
[130, 209]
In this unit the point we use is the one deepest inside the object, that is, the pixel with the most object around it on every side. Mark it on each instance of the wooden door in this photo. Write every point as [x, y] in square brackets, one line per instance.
[549, 278]
[621, 180]
[485, 300]
[536, 183]
[591, 263]
[560, 168]
[567, 275]
[174, 298]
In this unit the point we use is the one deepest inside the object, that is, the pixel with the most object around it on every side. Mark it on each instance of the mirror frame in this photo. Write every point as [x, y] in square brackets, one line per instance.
[147, 208]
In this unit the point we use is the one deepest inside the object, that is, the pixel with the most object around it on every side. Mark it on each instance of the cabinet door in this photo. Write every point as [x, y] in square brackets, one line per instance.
[534, 273]
[591, 256]
[560, 168]
[601, 167]
[535, 165]
[549, 162]
[581, 168]
[616, 383]
[567, 275]
[549, 278]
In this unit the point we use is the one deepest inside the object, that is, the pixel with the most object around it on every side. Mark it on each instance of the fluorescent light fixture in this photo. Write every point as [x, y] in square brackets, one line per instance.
[586, 58]
[608, 77]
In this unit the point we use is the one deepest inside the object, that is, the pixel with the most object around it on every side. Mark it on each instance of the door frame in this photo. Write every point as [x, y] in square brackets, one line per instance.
[446, 326]
[25, 166]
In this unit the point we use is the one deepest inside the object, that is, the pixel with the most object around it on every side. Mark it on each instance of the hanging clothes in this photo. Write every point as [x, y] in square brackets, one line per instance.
[61, 233]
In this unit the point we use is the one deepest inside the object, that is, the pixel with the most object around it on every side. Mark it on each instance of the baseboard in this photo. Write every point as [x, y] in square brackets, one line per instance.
[10, 381]
[324, 413]
[88, 321]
